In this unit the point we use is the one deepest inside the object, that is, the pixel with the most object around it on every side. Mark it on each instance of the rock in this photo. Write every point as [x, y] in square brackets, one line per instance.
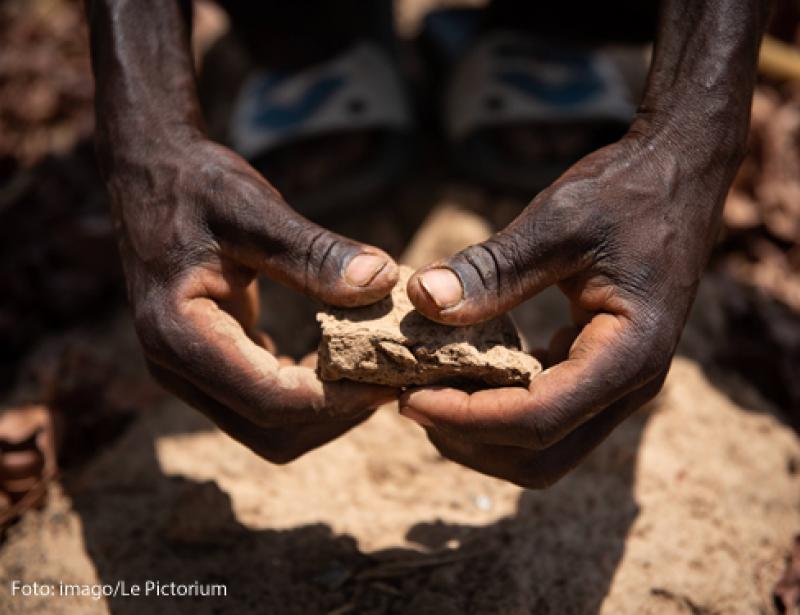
[391, 343]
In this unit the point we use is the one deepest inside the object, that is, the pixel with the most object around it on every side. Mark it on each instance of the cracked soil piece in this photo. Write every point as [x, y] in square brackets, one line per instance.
[391, 343]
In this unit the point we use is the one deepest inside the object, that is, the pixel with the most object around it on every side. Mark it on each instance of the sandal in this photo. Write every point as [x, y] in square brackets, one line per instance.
[517, 111]
[350, 111]
[28, 461]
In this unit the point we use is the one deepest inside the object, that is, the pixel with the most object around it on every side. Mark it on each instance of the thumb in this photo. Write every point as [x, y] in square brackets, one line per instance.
[490, 278]
[332, 268]
[267, 235]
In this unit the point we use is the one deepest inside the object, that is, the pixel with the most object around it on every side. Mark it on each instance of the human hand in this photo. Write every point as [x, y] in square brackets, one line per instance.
[625, 234]
[196, 223]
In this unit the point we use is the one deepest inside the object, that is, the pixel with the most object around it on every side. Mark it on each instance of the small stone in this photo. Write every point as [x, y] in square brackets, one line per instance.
[483, 502]
[391, 343]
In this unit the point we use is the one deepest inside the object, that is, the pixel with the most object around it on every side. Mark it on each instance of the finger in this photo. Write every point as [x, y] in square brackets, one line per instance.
[541, 469]
[265, 341]
[546, 467]
[541, 247]
[244, 305]
[279, 445]
[261, 231]
[310, 360]
[19, 425]
[244, 302]
[208, 347]
[21, 464]
[608, 360]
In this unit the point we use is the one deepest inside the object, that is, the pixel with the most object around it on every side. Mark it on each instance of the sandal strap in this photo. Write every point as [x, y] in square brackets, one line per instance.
[511, 78]
[359, 89]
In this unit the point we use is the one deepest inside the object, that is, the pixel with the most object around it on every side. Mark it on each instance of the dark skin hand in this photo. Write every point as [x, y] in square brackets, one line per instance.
[625, 234]
[196, 223]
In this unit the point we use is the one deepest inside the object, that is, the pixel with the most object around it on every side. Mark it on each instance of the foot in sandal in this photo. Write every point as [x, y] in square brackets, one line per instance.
[27, 459]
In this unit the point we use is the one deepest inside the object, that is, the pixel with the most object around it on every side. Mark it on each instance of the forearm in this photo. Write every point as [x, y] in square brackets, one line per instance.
[703, 72]
[144, 73]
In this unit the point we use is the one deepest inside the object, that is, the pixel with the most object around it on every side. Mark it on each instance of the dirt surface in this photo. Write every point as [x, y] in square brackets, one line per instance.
[687, 508]
[690, 507]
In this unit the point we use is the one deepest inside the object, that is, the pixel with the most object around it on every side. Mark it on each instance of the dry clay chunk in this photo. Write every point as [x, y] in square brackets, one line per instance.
[391, 343]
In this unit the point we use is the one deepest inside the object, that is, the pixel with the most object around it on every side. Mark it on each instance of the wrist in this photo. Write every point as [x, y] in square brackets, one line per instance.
[145, 96]
[143, 135]
[701, 79]
[714, 135]
[124, 149]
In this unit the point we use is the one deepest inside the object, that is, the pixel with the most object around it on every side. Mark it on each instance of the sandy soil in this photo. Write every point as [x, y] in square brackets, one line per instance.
[688, 508]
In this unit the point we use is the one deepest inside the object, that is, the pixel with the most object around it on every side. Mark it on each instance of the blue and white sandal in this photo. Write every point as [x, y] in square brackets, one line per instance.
[554, 103]
[358, 91]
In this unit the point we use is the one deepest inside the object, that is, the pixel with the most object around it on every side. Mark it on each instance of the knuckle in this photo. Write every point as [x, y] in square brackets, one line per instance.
[213, 175]
[482, 260]
[312, 257]
[655, 364]
[654, 387]
[546, 427]
[570, 214]
[319, 260]
[155, 328]
[491, 272]
[562, 227]
[657, 347]
[639, 269]
[644, 352]
[507, 257]
[541, 435]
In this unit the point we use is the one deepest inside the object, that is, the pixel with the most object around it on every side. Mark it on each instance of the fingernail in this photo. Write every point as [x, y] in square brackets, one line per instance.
[363, 269]
[442, 286]
[412, 414]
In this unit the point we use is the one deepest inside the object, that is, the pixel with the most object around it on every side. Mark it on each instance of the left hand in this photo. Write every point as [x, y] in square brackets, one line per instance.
[626, 234]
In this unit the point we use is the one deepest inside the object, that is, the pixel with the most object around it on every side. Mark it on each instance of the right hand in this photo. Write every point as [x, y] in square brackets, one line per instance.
[196, 224]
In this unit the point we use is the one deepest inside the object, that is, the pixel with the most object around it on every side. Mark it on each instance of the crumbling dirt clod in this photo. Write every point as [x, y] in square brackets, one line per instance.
[391, 343]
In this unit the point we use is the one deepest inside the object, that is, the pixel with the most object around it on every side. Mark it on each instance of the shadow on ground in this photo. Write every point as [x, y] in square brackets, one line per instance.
[171, 529]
